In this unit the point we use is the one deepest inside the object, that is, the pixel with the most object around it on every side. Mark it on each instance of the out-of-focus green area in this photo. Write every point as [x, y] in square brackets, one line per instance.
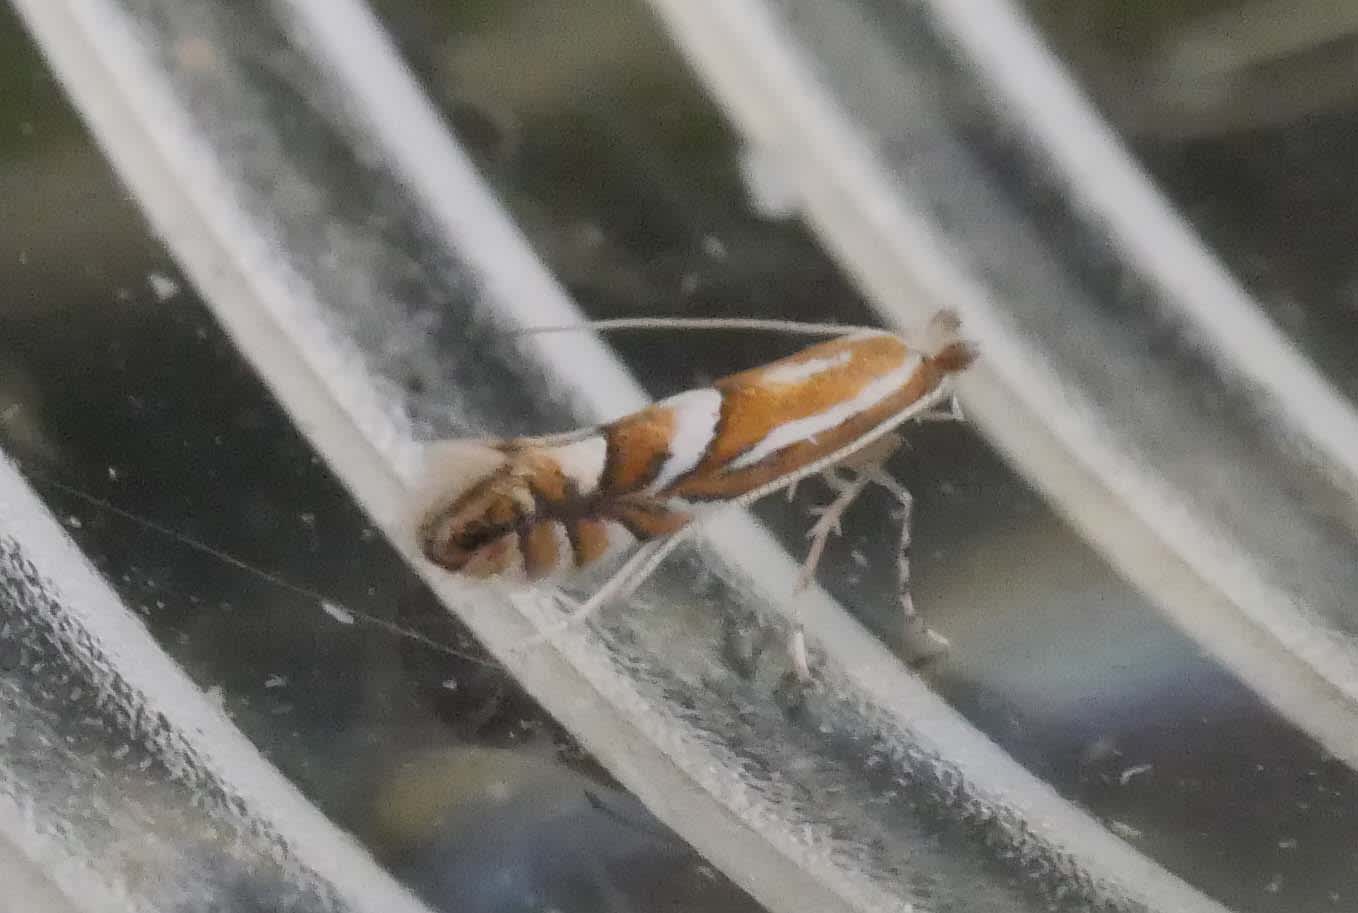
[32, 114]
[1131, 26]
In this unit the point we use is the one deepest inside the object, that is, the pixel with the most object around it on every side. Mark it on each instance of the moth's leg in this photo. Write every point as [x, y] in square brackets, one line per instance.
[862, 464]
[827, 524]
[619, 585]
[955, 407]
[952, 412]
[922, 642]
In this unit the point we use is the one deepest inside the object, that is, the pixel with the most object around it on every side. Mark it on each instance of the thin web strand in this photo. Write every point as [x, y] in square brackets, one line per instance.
[258, 572]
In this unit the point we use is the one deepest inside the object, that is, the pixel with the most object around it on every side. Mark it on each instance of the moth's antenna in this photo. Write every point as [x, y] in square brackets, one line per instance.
[226, 557]
[790, 327]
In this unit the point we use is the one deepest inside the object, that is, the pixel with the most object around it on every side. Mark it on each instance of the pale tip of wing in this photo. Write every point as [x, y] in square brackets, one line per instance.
[696, 414]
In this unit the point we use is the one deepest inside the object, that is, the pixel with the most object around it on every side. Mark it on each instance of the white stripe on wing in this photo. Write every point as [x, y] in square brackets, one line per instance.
[696, 413]
[805, 429]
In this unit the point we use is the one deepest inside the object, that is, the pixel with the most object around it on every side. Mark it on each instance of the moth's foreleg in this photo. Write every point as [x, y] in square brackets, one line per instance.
[827, 523]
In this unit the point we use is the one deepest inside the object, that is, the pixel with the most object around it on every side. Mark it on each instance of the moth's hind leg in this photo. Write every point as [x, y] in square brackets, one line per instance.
[862, 465]
[827, 524]
[921, 642]
[868, 468]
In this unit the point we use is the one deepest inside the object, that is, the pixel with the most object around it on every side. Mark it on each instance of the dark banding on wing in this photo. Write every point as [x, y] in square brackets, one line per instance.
[589, 539]
[541, 549]
[638, 446]
[647, 519]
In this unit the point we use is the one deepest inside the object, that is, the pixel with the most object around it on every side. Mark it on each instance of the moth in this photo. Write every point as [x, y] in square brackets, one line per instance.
[530, 508]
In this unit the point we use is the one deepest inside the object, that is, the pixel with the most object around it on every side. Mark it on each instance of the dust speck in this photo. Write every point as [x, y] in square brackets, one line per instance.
[339, 613]
[162, 286]
[1134, 771]
[1123, 829]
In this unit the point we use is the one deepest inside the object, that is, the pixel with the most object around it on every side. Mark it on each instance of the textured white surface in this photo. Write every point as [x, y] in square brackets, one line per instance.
[199, 743]
[25, 888]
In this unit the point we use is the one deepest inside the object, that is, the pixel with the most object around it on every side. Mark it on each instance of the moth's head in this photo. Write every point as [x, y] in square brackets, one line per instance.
[473, 501]
[948, 352]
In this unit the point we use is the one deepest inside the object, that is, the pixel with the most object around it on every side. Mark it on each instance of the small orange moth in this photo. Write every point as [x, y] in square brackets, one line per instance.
[528, 508]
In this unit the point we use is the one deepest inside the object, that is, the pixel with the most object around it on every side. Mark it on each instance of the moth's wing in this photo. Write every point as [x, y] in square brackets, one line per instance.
[647, 517]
